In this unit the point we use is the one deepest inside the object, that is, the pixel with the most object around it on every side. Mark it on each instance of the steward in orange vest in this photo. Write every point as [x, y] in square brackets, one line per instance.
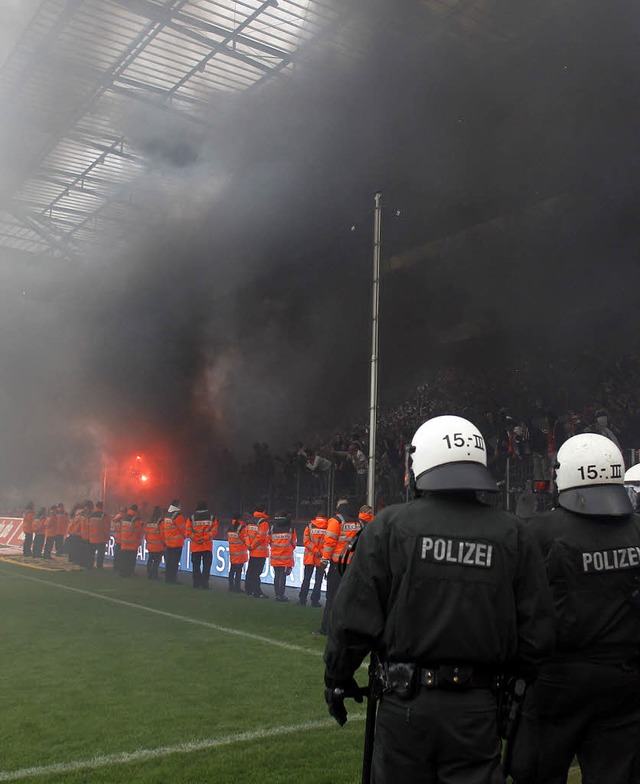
[155, 543]
[256, 537]
[238, 553]
[341, 529]
[99, 532]
[62, 517]
[313, 539]
[39, 521]
[173, 530]
[87, 508]
[131, 539]
[283, 540]
[50, 528]
[201, 529]
[27, 529]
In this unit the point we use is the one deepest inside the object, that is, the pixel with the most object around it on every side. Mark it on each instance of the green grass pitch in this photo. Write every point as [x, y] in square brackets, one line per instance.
[108, 681]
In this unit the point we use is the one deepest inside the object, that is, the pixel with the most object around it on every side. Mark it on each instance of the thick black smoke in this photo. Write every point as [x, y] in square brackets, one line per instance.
[239, 309]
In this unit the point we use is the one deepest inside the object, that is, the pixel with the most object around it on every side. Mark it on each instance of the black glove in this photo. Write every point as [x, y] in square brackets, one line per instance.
[335, 693]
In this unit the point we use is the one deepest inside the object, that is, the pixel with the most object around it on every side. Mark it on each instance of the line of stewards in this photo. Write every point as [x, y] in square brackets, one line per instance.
[201, 529]
[173, 530]
[39, 520]
[282, 541]
[313, 539]
[27, 529]
[238, 553]
[155, 543]
[99, 532]
[130, 540]
[256, 537]
[342, 528]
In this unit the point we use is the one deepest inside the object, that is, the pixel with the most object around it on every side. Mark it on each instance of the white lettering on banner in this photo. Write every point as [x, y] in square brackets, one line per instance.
[10, 527]
[456, 551]
[614, 560]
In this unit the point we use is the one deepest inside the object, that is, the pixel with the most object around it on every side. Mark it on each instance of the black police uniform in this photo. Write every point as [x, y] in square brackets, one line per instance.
[457, 589]
[586, 700]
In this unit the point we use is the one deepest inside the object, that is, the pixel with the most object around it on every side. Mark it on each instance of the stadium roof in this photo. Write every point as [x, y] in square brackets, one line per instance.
[69, 172]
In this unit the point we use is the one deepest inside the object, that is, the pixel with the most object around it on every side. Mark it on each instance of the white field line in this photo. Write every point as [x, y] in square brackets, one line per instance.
[144, 755]
[185, 619]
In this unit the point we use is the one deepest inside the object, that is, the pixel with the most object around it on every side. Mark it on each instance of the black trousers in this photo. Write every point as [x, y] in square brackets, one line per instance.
[201, 568]
[252, 584]
[95, 555]
[117, 552]
[26, 545]
[235, 577]
[581, 709]
[153, 565]
[333, 583]
[38, 544]
[438, 737]
[59, 543]
[172, 563]
[127, 562]
[309, 569]
[48, 546]
[279, 581]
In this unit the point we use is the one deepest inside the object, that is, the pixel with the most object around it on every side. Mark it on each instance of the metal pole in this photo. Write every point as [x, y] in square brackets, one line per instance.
[373, 406]
[104, 488]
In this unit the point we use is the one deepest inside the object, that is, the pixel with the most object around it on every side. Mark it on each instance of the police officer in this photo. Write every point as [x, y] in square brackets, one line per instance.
[586, 700]
[447, 592]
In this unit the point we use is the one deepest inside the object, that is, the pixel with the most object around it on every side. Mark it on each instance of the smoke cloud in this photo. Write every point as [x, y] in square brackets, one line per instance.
[237, 309]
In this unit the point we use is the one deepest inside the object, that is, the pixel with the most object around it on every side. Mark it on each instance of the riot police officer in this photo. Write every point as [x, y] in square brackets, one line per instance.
[447, 592]
[586, 700]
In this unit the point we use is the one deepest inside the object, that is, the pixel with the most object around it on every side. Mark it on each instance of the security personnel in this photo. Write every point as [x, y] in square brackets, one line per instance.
[201, 530]
[586, 700]
[238, 553]
[50, 529]
[256, 537]
[62, 530]
[342, 528]
[116, 527]
[154, 541]
[99, 531]
[39, 523]
[27, 529]
[632, 485]
[173, 531]
[282, 542]
[313, 538]
[447, 592]
[130, 540]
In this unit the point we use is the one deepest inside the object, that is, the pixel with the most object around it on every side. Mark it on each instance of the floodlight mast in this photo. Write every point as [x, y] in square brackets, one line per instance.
[373, 405]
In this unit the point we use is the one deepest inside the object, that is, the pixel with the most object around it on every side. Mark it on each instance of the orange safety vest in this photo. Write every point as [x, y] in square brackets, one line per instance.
[38, 525]
[27, 522]
[201, 529]
[238, 553]
[256, 535]
[313, 539]
[153, 535]
[99, 527]
[338, 536]
[173, 529]
[116, 527]
[282, 546]
[131, 531]
[63, 522]
[51, 524]
[84, 525]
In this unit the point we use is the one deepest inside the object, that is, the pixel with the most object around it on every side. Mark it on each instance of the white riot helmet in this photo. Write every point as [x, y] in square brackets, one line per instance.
[632, 476]
[449, 453]
[590, 476]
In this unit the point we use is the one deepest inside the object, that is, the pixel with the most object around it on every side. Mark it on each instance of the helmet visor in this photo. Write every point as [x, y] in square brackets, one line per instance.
[606, 500]
[457, 476]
